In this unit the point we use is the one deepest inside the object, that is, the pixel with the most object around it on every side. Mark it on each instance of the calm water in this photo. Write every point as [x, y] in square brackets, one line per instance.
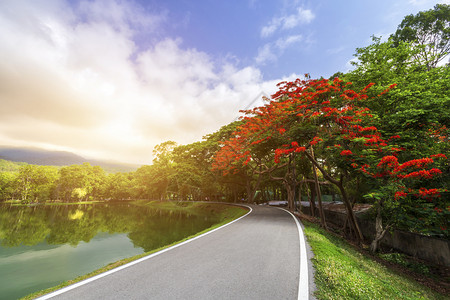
[43, 246]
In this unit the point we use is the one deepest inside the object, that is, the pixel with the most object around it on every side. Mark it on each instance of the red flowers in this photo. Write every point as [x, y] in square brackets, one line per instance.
[428, 193]
[333, 114]
[399, 195]
[346, 152]
[416, 163]
[315, 140]
[390, 161]
[421, 174]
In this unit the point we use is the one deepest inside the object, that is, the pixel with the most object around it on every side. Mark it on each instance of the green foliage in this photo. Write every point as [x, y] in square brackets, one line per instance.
[35, 183]
[401, 259]
[417, 108]
[416, 112]
[7, 189]
[10, 166]
[83, 181]
[429, 29]
[118, 186]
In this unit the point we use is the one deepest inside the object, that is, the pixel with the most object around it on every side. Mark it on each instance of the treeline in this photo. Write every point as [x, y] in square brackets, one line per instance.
[178, 172]
[162, 180]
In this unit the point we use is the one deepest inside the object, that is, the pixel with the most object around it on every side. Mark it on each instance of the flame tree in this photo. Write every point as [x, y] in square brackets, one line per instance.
[329, 119]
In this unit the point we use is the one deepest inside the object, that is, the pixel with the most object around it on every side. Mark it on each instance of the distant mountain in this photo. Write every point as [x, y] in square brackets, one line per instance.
[43, 157]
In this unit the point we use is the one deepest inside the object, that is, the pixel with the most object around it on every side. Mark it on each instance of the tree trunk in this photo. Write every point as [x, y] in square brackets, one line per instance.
[312, 200]
[290, 184]
[379, 231]
[251, 190]
[348, 206]
[319, 195]
[299, 209]
[350, 214]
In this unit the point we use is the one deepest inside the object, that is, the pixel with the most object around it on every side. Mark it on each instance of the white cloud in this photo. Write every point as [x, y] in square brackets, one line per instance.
[283, 43]
[265, 54]
[74, 79]
[270, 52]
[302, 16]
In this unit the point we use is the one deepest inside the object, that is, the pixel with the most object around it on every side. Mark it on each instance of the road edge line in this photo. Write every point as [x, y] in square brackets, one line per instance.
[303, 285]
[104, 274]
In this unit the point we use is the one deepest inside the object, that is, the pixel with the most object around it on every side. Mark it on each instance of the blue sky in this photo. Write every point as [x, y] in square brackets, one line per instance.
[282, 37]
[111, 79]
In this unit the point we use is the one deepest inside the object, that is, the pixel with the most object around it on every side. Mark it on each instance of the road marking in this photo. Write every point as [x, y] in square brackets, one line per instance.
[86, 281]
[303, 279]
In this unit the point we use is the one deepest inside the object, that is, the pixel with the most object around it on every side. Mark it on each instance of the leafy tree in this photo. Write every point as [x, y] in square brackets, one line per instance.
[332, 119]
[118, 186]
[242, 157]
[231, 186]
[10, 166]
[401, 198]
[417, 109]
[430, 30]
[141, 182]
[81, 182]
[35, 182]
[162, 153]
[192, 168]
[152, 182]
[7, 180]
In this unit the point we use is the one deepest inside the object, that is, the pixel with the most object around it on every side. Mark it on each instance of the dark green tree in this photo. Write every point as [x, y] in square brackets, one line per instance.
[430, 30]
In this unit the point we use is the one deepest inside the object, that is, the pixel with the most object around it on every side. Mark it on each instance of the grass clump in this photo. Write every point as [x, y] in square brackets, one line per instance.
[342, 272]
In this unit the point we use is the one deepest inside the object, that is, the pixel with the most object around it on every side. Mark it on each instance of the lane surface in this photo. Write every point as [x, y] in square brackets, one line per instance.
[256, 257]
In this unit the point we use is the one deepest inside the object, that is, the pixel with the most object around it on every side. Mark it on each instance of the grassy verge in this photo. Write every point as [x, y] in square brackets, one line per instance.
[342, 272]
[226, 214]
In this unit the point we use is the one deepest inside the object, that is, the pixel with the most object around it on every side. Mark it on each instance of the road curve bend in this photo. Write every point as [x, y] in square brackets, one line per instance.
[257, 257]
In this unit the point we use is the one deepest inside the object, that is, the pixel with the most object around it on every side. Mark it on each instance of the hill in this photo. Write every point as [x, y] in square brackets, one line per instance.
[43, 157]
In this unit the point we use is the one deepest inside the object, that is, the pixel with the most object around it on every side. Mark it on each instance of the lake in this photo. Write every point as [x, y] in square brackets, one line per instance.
[43, 246]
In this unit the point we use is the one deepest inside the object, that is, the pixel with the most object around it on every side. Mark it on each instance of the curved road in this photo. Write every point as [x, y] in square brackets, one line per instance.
[256, 257]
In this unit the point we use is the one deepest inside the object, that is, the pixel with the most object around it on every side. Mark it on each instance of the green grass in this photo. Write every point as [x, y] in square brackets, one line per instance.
[342, 272]
[226, 214]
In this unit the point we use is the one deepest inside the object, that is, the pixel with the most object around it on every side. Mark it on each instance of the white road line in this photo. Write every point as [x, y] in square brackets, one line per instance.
[86, 281]
[303, 280]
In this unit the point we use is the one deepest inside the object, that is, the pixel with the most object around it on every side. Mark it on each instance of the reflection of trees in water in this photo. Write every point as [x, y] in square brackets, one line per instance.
[69, 224]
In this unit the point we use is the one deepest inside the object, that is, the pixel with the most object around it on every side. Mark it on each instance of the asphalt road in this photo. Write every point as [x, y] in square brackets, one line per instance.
[256, 257]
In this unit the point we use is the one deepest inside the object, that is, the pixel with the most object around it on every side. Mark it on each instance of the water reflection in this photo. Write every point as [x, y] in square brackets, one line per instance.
[147, 227]
[42, 246]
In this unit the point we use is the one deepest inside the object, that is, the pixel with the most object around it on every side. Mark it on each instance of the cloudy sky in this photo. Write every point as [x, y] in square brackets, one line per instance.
[111, 79]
